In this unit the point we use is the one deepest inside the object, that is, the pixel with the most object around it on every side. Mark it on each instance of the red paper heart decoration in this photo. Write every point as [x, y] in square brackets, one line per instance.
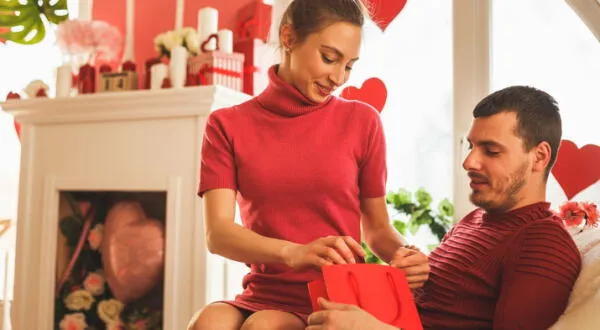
[372, 91]
[132, 251]
[15, 96]
[383, 12]
[17, 129]
[576, 168]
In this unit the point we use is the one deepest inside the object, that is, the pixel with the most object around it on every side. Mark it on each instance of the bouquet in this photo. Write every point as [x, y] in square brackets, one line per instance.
[186, 37]
[579, 215]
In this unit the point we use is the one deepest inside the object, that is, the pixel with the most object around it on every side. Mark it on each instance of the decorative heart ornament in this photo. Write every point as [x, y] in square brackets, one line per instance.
[383, 12]
[132, 251]
[576, 168]
[372, 91]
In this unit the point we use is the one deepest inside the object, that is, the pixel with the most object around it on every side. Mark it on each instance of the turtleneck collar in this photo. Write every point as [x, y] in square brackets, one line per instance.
[283, 99]
[531, 211]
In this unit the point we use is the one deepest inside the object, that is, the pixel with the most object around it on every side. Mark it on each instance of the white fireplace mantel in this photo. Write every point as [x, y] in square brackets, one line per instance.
[124, 141]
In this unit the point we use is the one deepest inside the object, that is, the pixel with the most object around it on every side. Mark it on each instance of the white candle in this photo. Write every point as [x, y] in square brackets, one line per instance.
[178, 66]
[179, 14]
[85, 10]
[225, 41]
[64, 80]
[158, 73]
[208, 23]
[128, 54]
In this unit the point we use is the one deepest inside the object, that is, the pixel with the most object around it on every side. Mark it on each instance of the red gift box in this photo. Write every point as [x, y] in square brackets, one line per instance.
[380, 290]
[254, 21]
[258, 58]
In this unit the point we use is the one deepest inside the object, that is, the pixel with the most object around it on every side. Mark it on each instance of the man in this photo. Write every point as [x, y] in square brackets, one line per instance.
[510, 264]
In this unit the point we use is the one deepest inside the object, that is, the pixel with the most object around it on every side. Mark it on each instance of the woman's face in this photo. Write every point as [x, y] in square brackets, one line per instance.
[323, 61]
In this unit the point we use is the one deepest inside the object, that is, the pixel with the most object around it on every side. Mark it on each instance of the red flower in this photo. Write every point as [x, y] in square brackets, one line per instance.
[572, 213]
[591, 213]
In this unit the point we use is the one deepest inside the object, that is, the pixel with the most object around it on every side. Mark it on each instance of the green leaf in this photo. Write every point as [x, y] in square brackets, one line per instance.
[446, 208]
[438, 230]
[370, 257]
[424, 218]
[400, 226]
[423, 197]
[413, 227]
[71, 228]
[24, 21]
[57, 12]
[416, 214]
[432, 247]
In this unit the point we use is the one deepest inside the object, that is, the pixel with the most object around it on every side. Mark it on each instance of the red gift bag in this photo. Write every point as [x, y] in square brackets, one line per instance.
[380, 290]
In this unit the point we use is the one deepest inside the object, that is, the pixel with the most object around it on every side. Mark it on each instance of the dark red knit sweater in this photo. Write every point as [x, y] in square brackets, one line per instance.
[508, 271]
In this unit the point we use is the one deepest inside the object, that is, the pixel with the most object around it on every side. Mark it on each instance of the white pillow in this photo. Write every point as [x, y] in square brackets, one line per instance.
[583, 310]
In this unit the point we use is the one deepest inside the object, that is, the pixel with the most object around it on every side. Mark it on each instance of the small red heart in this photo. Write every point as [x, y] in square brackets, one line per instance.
[372, 91]
[576, 168]
[383, 12]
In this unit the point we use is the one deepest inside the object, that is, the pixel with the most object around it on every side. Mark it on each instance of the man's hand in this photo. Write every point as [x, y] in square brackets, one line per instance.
[414, 263]
[334, 316]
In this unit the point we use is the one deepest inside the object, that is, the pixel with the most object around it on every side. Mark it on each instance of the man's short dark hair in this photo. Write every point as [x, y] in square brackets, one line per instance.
[538, 117]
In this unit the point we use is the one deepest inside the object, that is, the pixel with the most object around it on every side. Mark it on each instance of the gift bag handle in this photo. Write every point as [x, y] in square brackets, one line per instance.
[351, 277]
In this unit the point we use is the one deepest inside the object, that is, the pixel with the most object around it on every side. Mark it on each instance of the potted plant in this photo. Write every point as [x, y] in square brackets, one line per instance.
[410, 212]
[21, 22]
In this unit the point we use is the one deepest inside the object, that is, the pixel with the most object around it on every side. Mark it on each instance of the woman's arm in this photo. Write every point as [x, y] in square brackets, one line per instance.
[378, 233]
[389, 245]
[230, 240]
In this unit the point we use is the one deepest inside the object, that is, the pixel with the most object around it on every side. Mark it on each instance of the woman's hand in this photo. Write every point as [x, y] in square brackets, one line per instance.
[322, 252]
[414, 263]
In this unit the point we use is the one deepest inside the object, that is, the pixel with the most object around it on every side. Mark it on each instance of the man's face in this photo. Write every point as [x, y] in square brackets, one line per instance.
[497, 163]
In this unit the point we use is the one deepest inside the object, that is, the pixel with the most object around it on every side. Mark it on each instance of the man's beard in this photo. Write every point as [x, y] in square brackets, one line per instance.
[509, 198]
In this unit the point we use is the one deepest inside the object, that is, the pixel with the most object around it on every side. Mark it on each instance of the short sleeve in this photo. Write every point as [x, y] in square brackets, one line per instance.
[217, 167]
[373, 170]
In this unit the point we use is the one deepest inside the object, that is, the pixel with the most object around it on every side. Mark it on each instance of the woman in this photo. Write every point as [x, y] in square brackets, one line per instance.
[307, 168]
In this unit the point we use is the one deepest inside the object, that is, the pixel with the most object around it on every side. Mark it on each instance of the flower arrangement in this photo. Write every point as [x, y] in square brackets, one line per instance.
[186, 37]
[579, 215]
[96, 39]
[83, 298]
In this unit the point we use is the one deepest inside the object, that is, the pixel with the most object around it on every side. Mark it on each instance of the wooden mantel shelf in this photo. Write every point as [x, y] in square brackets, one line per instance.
[117, 105]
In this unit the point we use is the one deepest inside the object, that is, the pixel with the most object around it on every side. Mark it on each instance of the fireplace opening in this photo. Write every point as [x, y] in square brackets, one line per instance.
[110, 260]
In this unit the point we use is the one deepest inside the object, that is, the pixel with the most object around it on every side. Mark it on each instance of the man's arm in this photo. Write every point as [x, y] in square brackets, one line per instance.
[539, 273]
[336, 316]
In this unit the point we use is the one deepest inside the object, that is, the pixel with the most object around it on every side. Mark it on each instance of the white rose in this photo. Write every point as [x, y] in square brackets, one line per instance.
[79, 300]
[95, 236]
[73, 322]
[172, 39]
[192, 43]
[186, 30]
[110, 310]
[94, 283]
[158, 41]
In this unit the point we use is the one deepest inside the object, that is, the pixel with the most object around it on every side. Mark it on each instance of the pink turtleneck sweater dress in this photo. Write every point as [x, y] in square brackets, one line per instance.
[300, 169]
